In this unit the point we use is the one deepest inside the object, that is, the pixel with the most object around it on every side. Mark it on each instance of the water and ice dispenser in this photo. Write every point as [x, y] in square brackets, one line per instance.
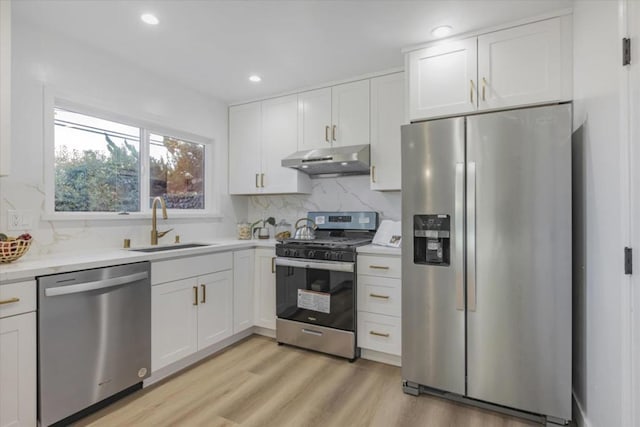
[431, 239]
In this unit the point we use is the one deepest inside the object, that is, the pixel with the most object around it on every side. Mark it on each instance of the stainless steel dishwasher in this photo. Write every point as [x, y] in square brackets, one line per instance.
[94, 338]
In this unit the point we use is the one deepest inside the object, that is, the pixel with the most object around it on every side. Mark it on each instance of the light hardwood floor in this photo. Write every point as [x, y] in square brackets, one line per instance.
[258, 383]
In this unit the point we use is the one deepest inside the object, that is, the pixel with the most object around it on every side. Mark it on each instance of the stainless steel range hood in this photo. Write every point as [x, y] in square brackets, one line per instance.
[336, 161]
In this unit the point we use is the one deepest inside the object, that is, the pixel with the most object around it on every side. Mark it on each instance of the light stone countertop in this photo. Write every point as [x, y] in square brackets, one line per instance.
[378, 250]
[31, 267]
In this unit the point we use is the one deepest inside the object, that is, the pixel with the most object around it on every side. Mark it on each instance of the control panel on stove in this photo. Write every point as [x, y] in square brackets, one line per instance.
[321, 254]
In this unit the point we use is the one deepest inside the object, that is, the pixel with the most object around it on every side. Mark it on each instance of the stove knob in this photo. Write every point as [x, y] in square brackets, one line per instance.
[311, 254]
[286, 252]
[293, 253]
[327, 255]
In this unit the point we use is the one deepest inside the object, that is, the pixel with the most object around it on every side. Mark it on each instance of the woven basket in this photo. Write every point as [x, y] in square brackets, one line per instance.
[14, 249]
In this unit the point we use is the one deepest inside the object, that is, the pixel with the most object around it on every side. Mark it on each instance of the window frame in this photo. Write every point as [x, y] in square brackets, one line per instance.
[147, 127]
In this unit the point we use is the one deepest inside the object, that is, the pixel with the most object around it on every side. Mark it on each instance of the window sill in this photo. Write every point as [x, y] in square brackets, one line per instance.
[146, 216]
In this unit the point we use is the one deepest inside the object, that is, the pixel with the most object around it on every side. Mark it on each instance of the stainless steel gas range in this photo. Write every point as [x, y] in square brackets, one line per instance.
[316, 283]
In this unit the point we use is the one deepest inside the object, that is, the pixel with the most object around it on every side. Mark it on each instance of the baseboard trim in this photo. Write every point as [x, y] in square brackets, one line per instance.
[265, 332]
[377, 356]
[181, 364]
[579, 416]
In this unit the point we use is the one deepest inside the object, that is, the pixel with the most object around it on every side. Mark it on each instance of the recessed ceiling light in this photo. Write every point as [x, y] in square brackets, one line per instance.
[441, 31]
[150, 19]
[305, 166]
[255, 78]
[344, 163]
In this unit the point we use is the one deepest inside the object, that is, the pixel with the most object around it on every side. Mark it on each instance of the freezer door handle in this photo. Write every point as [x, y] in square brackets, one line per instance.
[458, 234]
[471, 236]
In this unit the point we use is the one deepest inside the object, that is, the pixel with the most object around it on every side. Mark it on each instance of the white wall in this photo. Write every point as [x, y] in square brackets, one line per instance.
[599, 214]
[42, 59]
[349, 193]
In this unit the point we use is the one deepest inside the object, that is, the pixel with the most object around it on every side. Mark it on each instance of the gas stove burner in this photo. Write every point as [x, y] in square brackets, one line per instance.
[330, 242]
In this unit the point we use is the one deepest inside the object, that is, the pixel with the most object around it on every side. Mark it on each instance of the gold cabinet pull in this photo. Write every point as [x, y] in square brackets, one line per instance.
[333, 132]
[326, 133]
[257, 183]
[262, 180]
[379, 334]
[9, 301]
[379, 267]
[273, 264]
[204, 294]
[484, 84]
[379, 296]
[471, 91]
[373, 174]
[195, 295]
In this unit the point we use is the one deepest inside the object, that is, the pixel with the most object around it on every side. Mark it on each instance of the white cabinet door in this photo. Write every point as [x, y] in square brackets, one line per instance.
[387, 115]
[314, 119]
[243, 268]
[245, 123]
[442, 79]
[174, 314]
[279, 140]
[350, 113]
[215, 308]
[18, 371]
[5, 87]
[265, 289]
[521, 65]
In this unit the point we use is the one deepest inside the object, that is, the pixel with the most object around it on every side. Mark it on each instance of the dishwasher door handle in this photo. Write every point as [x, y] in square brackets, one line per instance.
[92, 286]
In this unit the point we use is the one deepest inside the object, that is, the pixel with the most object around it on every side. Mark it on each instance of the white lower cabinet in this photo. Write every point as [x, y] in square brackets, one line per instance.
[174, 322]
[18, 356]
[190, 314]
[243, 266]
[379, 305]
[215, 308]
[265, 289]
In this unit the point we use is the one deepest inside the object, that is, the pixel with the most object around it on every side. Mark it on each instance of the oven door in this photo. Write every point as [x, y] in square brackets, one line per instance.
[317, 292]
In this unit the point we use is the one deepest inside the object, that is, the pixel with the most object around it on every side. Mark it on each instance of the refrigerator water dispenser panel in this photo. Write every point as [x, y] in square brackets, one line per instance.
[431, 239]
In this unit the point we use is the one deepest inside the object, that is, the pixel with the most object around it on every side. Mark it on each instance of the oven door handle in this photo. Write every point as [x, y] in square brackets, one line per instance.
[347, 267]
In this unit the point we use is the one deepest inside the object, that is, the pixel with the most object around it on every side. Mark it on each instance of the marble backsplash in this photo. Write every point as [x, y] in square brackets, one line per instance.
[349, 193]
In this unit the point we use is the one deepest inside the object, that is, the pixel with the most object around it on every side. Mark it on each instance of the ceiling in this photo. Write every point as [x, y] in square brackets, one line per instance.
[213, 46]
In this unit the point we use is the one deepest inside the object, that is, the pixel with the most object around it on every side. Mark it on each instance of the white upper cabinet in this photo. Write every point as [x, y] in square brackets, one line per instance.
[314, 119]
[280, 139]
[335, 116]
[245, 124]
[350, 114]
[261, 134]
[442, 79]
[5, 87]
[523, 65]
[387, 115]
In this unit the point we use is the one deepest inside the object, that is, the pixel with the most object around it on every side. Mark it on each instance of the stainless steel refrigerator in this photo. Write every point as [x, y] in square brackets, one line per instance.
[486, 258]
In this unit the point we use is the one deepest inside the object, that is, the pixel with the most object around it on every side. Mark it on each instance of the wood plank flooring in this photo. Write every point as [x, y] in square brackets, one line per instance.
[258, 383]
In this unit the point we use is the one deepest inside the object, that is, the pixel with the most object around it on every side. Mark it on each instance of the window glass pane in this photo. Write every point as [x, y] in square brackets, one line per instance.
[97, 164]
[177, 172]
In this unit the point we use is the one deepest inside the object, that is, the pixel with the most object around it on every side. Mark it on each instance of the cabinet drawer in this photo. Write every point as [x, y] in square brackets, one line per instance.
[17, 298]
[175, 269]
[380, 295]
[380, 333]
[383, 266]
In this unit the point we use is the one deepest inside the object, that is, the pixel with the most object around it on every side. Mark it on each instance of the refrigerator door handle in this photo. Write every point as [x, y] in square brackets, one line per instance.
[458, 234]
[471, 236]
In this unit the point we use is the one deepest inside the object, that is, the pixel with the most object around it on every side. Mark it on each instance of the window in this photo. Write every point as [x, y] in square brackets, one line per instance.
[107, 166]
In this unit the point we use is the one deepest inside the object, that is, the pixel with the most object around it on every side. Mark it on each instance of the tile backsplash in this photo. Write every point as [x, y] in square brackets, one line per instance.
[349, 193]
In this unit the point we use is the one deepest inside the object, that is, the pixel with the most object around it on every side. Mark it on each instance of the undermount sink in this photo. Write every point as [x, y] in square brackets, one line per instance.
[172, 247]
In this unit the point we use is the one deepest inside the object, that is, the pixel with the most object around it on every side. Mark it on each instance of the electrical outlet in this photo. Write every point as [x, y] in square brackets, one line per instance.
[19, 220]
